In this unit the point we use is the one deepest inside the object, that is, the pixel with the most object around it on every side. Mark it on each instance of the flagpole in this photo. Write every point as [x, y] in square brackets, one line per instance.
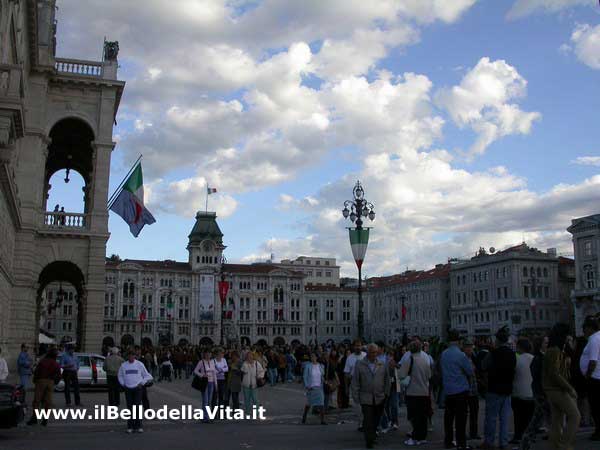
[114, 195]
[206, 208]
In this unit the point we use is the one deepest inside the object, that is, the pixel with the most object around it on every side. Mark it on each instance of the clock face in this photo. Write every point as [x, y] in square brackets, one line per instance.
[207, 247]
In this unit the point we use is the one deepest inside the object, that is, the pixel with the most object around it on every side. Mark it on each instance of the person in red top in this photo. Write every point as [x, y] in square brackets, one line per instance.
[45, 376]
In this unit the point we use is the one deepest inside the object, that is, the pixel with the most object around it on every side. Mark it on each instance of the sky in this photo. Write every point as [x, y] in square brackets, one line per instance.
[470, 123]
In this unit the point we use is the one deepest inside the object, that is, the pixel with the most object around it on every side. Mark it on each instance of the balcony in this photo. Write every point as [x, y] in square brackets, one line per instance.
[93, 69]
[65, 221]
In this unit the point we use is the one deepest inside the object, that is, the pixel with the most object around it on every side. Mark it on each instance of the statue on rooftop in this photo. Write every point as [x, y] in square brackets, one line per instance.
[111, 50]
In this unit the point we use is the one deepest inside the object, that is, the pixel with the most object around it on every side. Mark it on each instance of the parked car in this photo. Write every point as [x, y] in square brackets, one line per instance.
[91, 371]
[12, 405]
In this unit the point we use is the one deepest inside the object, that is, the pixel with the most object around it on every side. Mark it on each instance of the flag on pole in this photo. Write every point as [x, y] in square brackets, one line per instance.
[359, 239]
[210, 190]
[129, 204]
[143, 314]
[404, 311]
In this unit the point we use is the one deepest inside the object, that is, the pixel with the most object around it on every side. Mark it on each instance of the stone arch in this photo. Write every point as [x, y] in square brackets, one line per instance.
[245, 341]
[206, 341]
[295, 342]
[279, 341]
[108, 342]
[262, 343]
[146, 342]
[127, 340]
[63, 272]
[183, 342]
[71, 147]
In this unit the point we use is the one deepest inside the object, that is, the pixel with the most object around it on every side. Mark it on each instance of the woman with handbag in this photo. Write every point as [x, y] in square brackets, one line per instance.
[207, 373]
[253, 377]
[313, 377]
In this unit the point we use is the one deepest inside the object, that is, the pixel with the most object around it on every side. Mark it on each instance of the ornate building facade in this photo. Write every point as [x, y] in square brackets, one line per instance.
[55, 114]
[414, 302]
[586, 246]
[519, 287]
[266, 302]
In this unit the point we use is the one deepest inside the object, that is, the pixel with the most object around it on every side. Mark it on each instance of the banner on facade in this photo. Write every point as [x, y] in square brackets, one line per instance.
[206, 297]
[223, 290]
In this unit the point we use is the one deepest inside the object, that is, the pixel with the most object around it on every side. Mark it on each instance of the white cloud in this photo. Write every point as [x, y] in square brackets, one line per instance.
[483, 99]
[587, 161]
[522, 8]
[586, 44]
[185, 197]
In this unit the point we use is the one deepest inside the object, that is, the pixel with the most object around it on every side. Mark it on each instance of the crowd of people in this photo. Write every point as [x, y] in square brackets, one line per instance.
[549, 384]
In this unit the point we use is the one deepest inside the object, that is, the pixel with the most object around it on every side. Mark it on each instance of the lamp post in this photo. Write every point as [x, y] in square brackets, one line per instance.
[356, 209]
[223, 290]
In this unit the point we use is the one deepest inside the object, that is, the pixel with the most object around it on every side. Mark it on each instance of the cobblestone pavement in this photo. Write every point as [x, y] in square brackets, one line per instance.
[281, 431]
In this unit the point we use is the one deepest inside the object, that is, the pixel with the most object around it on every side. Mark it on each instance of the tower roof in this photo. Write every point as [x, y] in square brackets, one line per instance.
[205, 228]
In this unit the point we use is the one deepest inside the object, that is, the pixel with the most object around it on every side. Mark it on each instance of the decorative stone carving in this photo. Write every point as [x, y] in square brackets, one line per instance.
[111, 50]
[4, 77]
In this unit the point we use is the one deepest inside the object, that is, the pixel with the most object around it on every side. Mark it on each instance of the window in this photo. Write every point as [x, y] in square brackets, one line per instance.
[587, 248]
[524, 271]
[590, 276]
[545, 272]
[546, 292]
[526, 291]
[505, 292]
[319, 273]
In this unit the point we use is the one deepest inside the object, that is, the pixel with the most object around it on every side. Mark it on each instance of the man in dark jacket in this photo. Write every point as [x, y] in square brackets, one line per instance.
[45, 376]
[500, 365]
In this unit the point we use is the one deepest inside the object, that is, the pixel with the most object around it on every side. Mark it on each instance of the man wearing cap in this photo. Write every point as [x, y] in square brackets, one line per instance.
[500, 365]
[590, 368]
[456, 371]
[111, 367]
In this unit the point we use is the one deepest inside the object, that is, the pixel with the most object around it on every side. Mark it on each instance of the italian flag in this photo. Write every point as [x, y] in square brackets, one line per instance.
[359, 239]
[130, 203]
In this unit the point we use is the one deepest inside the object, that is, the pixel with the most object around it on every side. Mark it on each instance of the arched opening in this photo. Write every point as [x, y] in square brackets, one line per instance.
[279, 341]
[183, 342]
[60, 301]
[262, 343]
[107, 343]
[70, 152]
[295, 342]
[245, 341]
[127, 341]
[206, 342]
[147, 342]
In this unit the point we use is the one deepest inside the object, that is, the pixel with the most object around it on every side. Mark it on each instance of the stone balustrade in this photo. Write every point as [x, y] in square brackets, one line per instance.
[64, 220]
[79, 67]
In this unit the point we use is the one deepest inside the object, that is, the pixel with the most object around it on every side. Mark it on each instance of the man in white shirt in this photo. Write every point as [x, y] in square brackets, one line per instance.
[3, 369]
[590, 368]
[133, 376]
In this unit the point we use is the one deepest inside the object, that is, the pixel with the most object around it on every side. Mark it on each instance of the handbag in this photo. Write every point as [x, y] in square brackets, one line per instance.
[260, 381]
[333, 384]
[200, 383]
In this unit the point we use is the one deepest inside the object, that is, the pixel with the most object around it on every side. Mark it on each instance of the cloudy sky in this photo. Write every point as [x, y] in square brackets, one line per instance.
[469, 122]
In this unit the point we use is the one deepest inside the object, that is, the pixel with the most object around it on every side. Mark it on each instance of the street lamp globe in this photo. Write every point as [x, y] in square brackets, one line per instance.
[353, 216]
[372, 215]
[345, 212]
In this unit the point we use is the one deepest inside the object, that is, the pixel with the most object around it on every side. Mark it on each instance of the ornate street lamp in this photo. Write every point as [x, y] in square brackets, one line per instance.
[355, 210]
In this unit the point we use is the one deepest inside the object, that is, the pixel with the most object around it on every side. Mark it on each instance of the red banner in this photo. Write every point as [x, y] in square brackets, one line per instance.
[223, 290]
